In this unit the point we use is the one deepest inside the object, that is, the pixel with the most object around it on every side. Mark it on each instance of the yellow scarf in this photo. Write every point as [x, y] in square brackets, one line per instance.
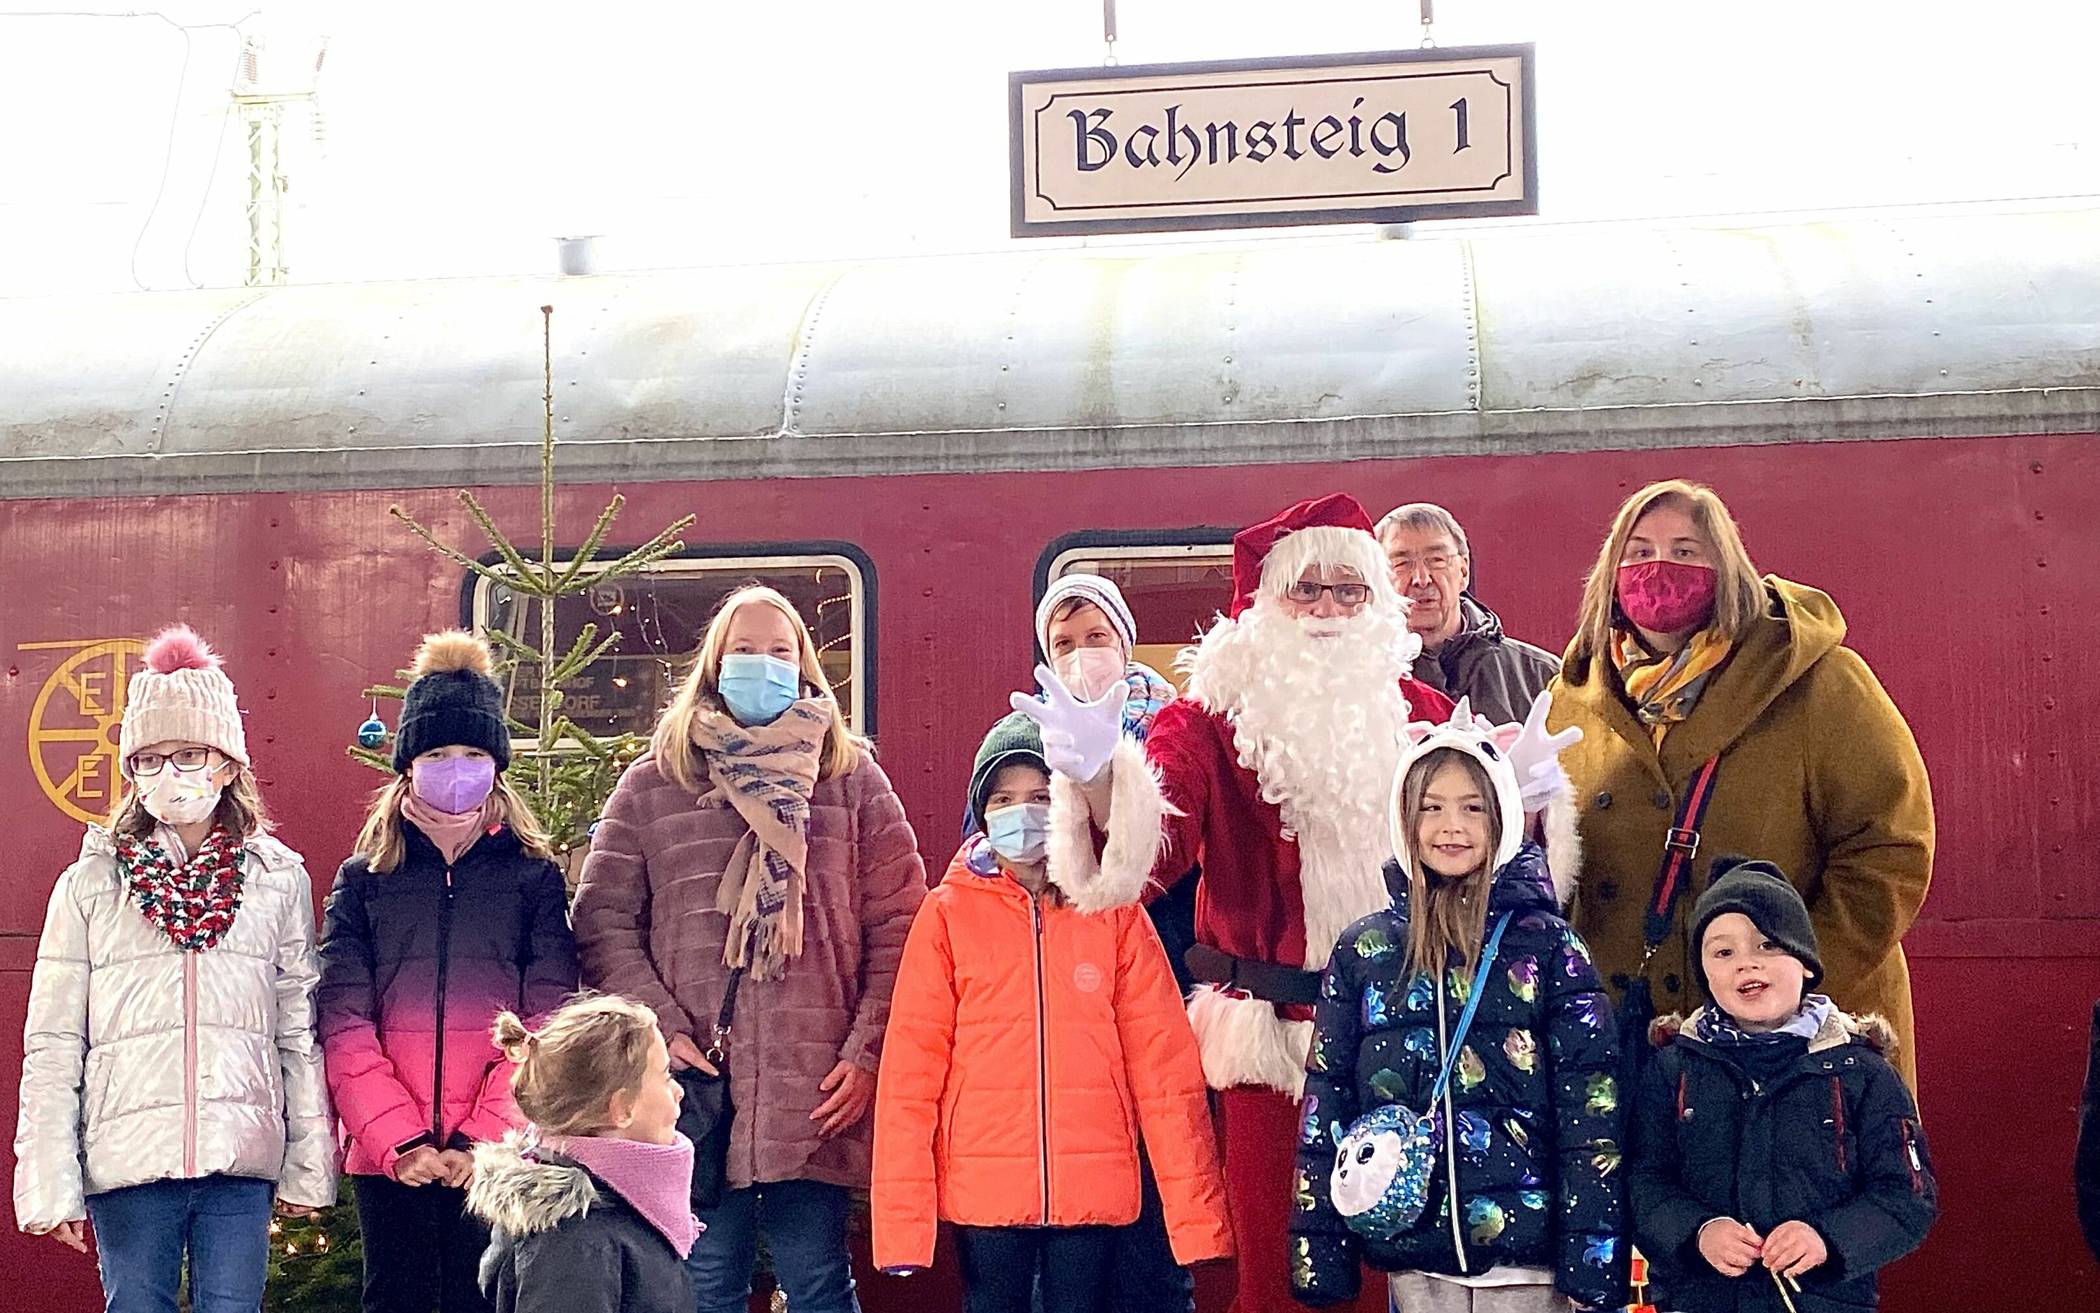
[1664, 689]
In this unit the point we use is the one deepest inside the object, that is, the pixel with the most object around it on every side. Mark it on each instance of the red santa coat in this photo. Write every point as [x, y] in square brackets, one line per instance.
[1184, 799]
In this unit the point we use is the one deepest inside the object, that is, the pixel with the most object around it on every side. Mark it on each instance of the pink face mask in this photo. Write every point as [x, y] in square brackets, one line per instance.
[1666, 597]
[1089, 672]
[455, 785]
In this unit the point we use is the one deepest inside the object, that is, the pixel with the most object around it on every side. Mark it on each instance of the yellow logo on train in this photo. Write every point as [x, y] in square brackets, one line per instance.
[75, 722]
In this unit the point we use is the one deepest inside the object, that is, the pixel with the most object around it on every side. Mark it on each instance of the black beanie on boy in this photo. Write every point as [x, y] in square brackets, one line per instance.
[1760, 891]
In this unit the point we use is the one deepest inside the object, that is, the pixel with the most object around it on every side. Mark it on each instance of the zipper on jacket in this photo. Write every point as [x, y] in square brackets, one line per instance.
[1458, 1244]
[189, 1064]
[1911, 1158]
[437, 1059]
[1837, 1120]
[1042, 1056]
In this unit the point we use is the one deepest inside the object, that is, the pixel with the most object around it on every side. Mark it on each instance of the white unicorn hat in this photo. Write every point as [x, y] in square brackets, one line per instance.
[1485, 743]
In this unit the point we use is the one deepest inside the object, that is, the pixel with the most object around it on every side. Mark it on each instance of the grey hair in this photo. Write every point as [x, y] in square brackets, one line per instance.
[1425, 515]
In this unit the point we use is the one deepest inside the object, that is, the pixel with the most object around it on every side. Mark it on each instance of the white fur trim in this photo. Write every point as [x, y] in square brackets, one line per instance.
[1244, 1042]
[1564, 843]
[1137, 808]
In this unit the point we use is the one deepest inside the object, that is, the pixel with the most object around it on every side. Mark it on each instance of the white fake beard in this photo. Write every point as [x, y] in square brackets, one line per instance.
[1321, 722]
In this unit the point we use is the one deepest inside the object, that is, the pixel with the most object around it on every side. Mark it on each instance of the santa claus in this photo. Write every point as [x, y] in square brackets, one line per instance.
[1273, 773]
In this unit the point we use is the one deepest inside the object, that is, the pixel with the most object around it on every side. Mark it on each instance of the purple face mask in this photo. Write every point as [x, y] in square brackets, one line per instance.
[456, 785]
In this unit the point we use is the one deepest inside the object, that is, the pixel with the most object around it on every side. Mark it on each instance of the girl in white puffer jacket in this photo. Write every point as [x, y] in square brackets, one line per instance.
[171, 1081]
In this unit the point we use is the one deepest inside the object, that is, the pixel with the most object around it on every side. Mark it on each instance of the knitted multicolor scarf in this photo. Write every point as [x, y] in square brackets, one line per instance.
[1664, 689]
[193, 902]
[767, 772]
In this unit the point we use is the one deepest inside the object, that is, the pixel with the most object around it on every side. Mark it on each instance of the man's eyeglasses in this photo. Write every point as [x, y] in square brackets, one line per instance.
[186, 761]
[1305, 592]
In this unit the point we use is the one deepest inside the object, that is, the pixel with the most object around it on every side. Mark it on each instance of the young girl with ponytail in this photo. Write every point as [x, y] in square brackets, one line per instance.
[451, 911]
[171, 1083]
[590, 1210]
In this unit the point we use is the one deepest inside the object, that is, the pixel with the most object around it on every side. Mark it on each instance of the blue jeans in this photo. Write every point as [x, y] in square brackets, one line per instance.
[143, 1232]
[805, 1228]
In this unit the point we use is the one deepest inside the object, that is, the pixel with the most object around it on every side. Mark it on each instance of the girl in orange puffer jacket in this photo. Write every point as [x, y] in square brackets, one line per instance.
[1029, 1045]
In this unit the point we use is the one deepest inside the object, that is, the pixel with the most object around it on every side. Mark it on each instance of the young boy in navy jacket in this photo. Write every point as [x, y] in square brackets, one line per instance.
[1778, 1162]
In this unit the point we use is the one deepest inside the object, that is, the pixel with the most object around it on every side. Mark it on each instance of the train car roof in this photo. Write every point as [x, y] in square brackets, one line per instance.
[1326, 348]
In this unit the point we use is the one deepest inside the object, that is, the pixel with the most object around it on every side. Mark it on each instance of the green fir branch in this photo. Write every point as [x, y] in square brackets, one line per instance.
[649, 553]
[527, 578]
[566, 582]
[452, 554]
[577, 659]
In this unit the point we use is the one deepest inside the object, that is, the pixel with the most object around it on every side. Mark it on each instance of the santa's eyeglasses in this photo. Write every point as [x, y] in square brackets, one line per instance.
[1305, 592]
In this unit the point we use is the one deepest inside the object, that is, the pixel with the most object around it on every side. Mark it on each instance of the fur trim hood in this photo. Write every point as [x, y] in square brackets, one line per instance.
[1868, 1028]
[523, 1196]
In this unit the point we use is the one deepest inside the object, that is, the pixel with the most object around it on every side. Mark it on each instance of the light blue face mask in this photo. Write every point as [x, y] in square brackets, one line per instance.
[1019, 833]
[757, 688]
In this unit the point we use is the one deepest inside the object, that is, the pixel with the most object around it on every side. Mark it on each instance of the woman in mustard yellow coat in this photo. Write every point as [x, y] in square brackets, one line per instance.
[1684, 655]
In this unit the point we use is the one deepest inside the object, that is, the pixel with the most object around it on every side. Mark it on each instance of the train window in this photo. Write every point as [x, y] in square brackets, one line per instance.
[660, 616]
[1174, 588]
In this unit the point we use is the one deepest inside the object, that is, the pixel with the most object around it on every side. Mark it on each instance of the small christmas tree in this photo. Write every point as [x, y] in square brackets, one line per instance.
[568, 772]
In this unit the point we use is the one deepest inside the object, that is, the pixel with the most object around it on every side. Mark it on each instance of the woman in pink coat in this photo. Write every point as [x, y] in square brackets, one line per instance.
[758, 842]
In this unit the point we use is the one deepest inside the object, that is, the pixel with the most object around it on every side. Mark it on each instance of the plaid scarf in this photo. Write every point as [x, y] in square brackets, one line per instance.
[767, 772]
[1664, 689]
[1715, 1026]
[194, 901]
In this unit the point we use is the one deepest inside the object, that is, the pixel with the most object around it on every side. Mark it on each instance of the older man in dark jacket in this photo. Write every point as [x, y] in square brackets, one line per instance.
[1464, 651]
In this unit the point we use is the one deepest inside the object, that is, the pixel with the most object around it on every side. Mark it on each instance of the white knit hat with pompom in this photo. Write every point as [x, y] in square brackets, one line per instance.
[181, 695]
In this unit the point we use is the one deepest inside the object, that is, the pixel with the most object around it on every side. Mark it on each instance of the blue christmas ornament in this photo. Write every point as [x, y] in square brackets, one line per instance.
[1382, 1169]
[372, 733]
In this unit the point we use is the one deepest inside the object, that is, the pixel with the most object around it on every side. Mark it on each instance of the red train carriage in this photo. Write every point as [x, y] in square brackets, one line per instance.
[1902, 413]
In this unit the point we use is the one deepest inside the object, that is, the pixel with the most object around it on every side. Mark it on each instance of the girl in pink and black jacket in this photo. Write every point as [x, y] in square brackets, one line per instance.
[451, 912]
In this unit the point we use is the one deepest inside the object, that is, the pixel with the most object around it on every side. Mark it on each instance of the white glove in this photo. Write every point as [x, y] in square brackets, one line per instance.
[1077, 736]
[1536, 756]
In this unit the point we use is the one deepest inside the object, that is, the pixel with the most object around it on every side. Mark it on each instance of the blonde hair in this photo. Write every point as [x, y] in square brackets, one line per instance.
[240, 811]
[672, 745]
[1445, 913]
[1739, 593]
[383, 842]
[593, 1047]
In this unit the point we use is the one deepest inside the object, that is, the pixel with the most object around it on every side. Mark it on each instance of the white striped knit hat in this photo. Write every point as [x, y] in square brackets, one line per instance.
[182, 695]
[1086, 588]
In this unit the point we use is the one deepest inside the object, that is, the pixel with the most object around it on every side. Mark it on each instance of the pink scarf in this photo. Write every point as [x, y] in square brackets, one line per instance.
[452, 834]
[656, 1180]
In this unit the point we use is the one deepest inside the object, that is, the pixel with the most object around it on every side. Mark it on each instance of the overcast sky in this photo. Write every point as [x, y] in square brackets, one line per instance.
[456, 144]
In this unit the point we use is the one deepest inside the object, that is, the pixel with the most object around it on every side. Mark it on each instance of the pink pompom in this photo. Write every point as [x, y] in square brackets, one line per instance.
[179, 648]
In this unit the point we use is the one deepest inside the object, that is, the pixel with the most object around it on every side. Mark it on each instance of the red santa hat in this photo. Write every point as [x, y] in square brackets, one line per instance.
[1330, 530]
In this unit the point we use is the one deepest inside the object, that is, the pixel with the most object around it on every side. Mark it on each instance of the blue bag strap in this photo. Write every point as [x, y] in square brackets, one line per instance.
[1465, 1019]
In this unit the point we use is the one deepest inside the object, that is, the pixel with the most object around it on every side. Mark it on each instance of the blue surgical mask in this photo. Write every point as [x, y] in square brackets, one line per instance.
[1019, 833]
[757, 688]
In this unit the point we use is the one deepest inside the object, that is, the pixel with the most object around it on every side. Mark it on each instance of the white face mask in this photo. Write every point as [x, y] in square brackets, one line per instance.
[174, 798]
[1089, 672]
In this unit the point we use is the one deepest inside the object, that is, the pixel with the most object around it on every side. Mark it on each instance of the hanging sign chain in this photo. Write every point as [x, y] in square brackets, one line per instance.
[1108, 31]
[1428, 18]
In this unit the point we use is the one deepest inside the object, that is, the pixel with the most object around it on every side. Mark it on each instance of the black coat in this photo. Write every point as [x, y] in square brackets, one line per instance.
[1534, 1098]
[1834, 1141]
[2088, 1164]
[563, 1241]
[415, 964]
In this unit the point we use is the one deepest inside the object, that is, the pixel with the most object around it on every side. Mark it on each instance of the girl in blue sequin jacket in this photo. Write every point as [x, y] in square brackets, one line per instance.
[1526, 1189]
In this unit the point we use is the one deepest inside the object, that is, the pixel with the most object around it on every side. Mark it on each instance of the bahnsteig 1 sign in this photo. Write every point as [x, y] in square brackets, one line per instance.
[1256, 143]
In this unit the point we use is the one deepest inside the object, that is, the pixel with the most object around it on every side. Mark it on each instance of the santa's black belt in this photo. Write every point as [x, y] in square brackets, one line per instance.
[1264, 980]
